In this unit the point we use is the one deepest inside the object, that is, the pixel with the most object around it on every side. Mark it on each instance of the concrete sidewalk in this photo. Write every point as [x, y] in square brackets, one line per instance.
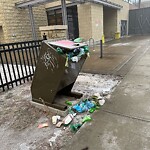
[123, 123]
[118, 56]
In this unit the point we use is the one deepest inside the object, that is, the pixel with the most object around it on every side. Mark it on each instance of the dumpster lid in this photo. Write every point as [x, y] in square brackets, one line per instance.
[67, 44]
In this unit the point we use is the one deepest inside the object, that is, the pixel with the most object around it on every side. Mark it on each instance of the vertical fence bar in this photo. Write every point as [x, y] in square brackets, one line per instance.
[5, 75]
[12, 65]
[28, 60]
[18, 50]
[2, 84]
[25, 66]
[31, 57]
[8, 67]
[33, 54]
[12, 55]
[36, 49]
[16, 63]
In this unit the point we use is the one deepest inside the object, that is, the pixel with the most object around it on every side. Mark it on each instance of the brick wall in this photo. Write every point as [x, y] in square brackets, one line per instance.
[16, 23]
[1, 23]
[97, 21]
[91, 23]
[84, 20]
[90, 18]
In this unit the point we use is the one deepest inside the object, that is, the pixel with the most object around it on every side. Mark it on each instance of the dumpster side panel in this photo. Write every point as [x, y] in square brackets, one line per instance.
[71, 73]
[49, 71]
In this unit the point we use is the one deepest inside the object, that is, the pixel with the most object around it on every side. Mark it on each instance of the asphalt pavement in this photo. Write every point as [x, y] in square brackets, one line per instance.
[123, 123]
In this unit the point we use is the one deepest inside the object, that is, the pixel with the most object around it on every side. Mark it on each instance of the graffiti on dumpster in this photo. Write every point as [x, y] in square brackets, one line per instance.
[49, 60]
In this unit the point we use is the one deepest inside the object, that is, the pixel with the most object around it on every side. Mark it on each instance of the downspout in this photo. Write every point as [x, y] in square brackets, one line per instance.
[34, 36]
[64, 14]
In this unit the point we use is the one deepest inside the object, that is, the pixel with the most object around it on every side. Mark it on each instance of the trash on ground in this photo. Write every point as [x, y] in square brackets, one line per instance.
[83, 106]
[67, 119]
[43, 125]
[97, 96]
[75, 127]
[55, 119]
[102, 102]
[108, 96]
[86, 119]
[58, 125]
[92, 110]
[68, 103]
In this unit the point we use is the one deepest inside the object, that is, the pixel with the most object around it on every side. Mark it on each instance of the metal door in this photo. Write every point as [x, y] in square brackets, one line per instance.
[139, 21]
[73, 28]
[123, 27]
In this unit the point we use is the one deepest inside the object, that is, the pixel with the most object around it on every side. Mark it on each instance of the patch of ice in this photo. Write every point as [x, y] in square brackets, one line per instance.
[120, 44]
[90, 84]
[24, 146]
[57, 133]
[15, 72]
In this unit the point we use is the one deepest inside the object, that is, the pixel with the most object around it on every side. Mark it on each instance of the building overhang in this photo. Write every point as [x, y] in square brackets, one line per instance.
[101, 2]
[107, 3]
[31, 3]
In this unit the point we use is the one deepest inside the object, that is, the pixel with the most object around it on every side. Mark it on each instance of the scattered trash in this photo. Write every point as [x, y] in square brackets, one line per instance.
[55, 119]
[86, 119]
[68, 103]
[58, 125]
[92, 110]
[97, 96]
[67, 119]
[43, 125]
[108, 96]
[102, 102]
[97, 107]
[72, 112]
[84, 106]
[75, 59]
[75, 127]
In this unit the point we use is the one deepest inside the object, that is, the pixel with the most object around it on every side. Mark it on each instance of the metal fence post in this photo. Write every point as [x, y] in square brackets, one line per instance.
[101, 49]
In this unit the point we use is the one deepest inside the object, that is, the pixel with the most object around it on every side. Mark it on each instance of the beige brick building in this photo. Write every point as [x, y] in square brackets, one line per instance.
[15, 23]
[96, 19]
[91, 19]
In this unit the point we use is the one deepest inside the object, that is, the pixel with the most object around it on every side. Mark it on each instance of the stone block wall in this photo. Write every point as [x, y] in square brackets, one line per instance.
[16, 23]
[84, 20]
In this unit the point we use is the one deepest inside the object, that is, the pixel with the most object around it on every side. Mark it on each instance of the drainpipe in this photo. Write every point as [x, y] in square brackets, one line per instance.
[64, 14]
[139, 4]
[34, 36]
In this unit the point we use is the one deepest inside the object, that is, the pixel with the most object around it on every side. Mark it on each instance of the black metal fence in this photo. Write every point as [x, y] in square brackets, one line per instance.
[17, 63]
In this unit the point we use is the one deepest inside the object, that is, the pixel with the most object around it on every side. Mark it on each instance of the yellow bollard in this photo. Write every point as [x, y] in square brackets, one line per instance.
[103, 39]
[117, 35]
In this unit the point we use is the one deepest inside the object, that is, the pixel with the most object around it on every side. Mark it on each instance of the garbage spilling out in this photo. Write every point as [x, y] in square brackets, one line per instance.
[58, 66]
[85, 107]
[76, 50]
[24, 118]
[43, 125]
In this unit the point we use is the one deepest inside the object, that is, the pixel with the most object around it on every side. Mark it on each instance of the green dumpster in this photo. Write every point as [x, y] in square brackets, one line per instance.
[56, 71]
